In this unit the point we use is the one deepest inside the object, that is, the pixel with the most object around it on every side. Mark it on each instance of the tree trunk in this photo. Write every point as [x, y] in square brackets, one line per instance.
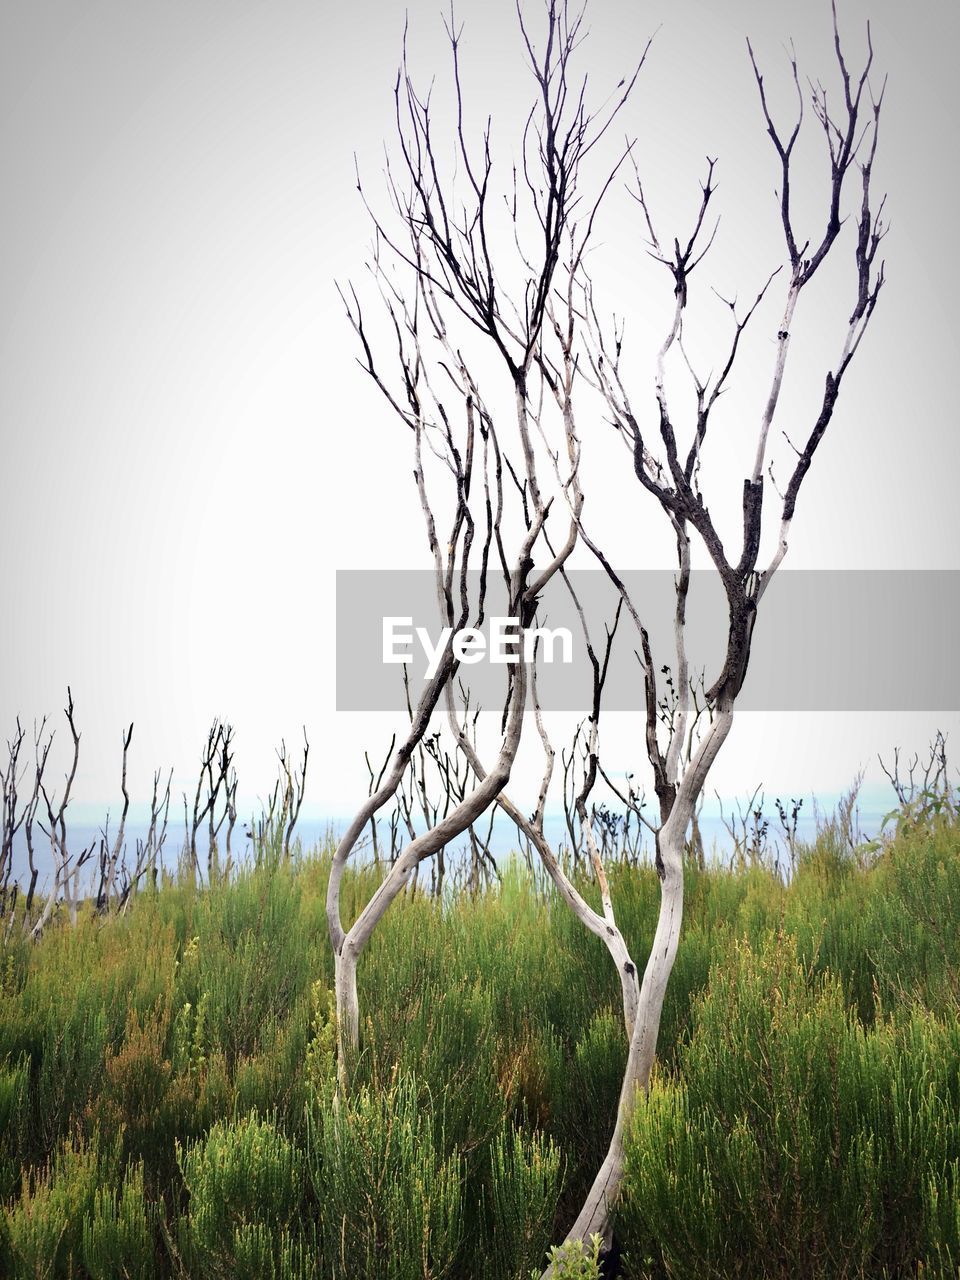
[355, 939]
[596, 1215]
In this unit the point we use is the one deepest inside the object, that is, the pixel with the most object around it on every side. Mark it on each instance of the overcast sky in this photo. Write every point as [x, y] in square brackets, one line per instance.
[188, 452]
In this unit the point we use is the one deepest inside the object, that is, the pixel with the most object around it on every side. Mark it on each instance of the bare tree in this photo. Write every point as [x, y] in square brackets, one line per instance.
[670, 472]
[213, 802]
[42, 742]
[294, 781]
[447, 269]
[444, 250]
[149, 859]
[66, 865]
[435, 782]
[923, 787]
[118, 873]
[13, 811]
[119, 879]
[112, 854]
[272, 831]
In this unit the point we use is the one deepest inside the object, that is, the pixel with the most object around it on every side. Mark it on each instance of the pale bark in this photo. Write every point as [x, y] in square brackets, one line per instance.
[356, 938]
[452, 268]
[595, 1215]
[380, 797]
[780, 364]
[603, 927]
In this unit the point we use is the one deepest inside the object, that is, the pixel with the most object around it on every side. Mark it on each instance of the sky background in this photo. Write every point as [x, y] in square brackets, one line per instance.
[188, 451]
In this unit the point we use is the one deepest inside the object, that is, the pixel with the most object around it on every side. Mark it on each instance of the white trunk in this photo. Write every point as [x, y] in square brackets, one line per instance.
[602, 927]
[783, 345]
[356, 938]
[595, 1216]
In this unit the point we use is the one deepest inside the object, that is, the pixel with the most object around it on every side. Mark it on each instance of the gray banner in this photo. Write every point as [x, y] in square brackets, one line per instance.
[824, 640]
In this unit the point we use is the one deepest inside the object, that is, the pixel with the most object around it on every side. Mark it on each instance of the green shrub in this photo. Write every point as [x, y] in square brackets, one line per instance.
[574, 1261]
[245, 1185]
[117, 1237]
[599, 1060]
[391, 1203]
[794, 1142]
[43, 1231]
[942, 1222]
[14, 1081]
[805, 1118]
[525, 1181]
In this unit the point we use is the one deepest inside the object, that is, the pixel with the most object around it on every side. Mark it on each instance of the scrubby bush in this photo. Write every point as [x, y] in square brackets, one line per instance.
[80, 1209]
[793, 1141]
[390, 1202]
[245, 1183]
[117, 1237]
[575, 1261]
[525, 1185]
[167, 1078]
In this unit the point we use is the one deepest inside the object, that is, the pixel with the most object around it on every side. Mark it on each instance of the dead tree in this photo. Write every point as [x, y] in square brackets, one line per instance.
[669, 470]
[13, 811]
[66, 865]
[924, 788]
[447, 271]
[435, 783]
[294, 783]
[213, 802]
[42, 742]
[444, 287]
[272, 831]
[747, 828]
[112, 854]
[149, 859]
[120, 879]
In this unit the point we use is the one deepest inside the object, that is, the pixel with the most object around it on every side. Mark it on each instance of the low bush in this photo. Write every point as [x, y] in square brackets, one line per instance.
[167, 1079]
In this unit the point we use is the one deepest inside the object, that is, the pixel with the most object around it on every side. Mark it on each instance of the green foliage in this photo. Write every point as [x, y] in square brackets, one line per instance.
[14, 1081]
[599, 1058]
[65, 1204]
[245, 1185]
[525, 1185]
[117, 1238]
[575, 1261]
[167, 1078]
[794, 1142]
[321, 1049]
[391, 1203]
[941, 1221]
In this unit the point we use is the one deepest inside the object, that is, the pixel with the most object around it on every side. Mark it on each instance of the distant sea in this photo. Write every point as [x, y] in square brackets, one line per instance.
[315, 832]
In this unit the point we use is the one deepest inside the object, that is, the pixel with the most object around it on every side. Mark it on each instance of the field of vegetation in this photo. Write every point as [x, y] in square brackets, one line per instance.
[167, 1079]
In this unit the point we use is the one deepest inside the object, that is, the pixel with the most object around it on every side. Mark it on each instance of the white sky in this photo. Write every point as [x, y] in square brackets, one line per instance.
[187, 451]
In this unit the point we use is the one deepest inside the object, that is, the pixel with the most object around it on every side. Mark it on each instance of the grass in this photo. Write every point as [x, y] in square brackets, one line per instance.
[166, 1080]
